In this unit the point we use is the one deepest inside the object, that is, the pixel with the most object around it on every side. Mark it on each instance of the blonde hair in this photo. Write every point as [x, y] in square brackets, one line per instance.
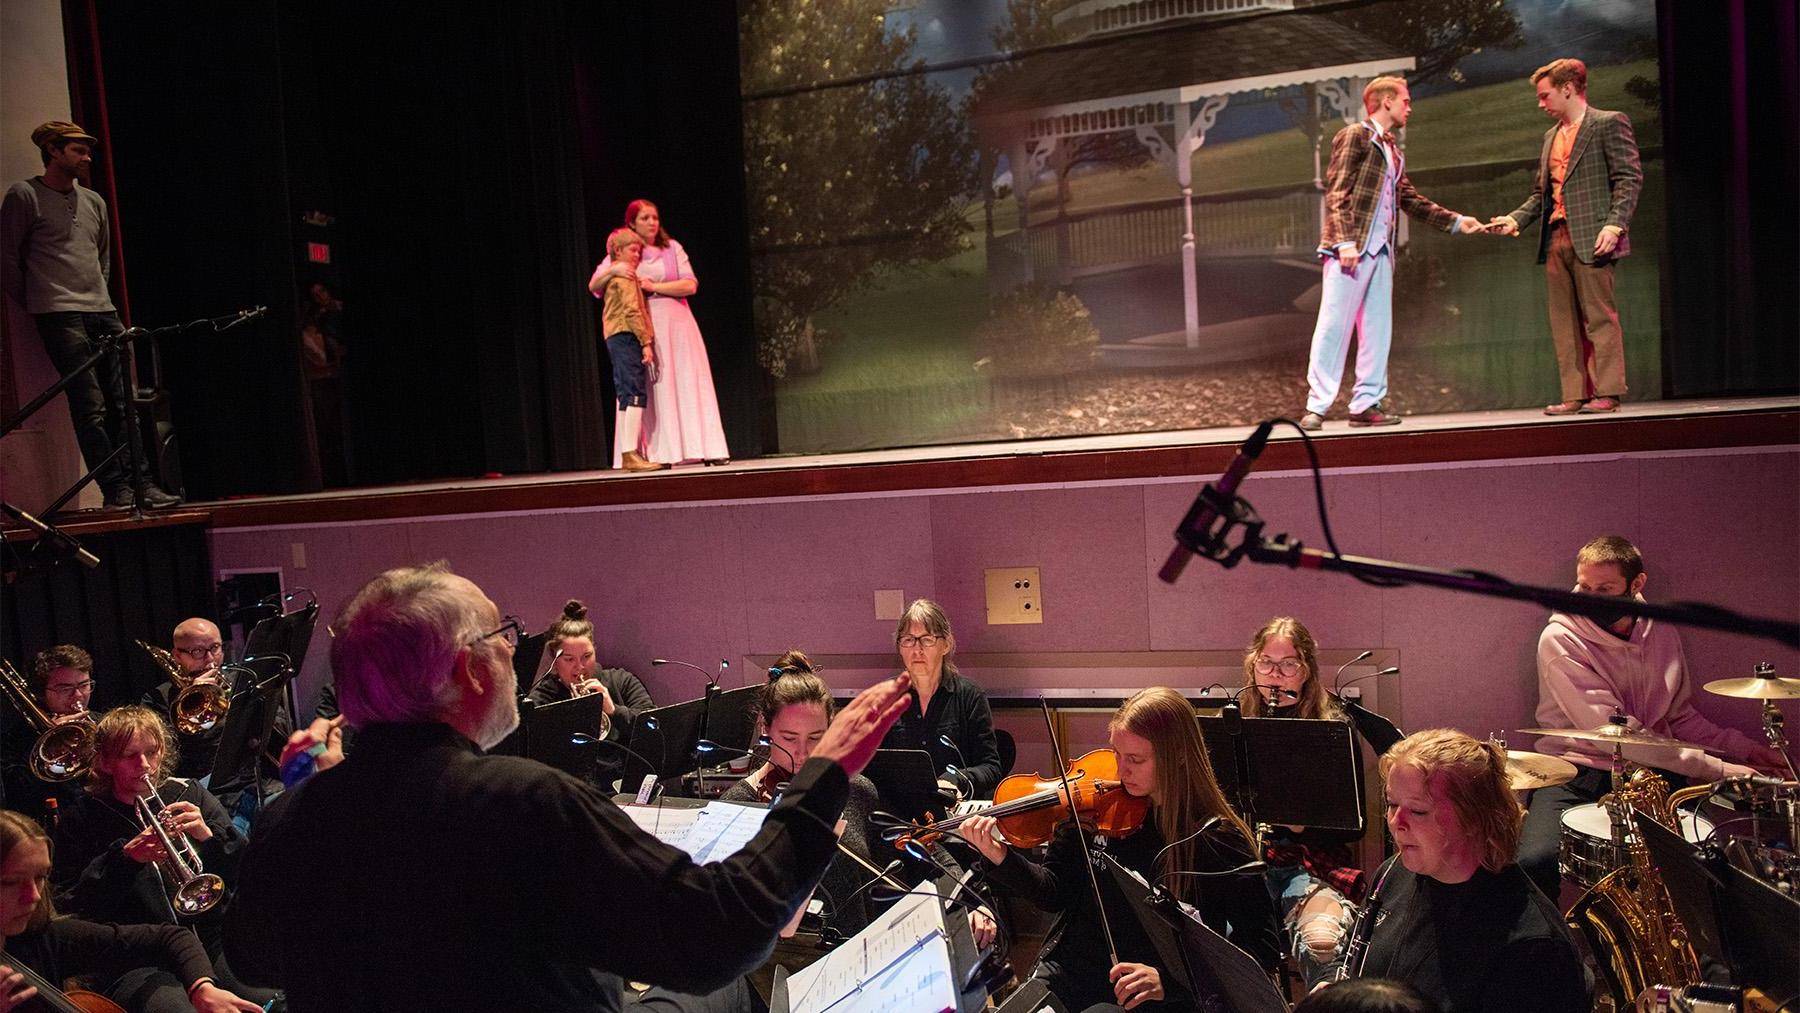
[14, 831]
[1313, 702]
[1380, 88]
[1473, 775]
[114, 732]
[1187, 793]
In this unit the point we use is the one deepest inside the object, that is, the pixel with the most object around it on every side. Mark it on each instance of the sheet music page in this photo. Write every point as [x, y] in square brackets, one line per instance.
[709, 834]
[900, 963]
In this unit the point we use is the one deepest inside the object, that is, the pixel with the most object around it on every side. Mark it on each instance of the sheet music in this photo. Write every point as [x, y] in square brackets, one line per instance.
[711, 833]
[900, 963]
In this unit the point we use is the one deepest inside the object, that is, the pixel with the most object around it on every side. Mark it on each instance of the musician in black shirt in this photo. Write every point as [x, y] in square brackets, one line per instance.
[413, 875]
[1190, 828]
[570, 642]
[1455, 917]
[945, 704]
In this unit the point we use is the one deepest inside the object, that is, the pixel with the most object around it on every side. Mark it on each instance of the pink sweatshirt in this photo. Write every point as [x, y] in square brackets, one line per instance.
[1585, 673]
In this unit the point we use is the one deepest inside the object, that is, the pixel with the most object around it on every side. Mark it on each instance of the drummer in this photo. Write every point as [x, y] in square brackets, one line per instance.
[1590, 668]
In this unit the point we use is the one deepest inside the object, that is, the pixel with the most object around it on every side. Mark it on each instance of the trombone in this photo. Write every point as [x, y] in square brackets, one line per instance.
[191, 889]
[63, 751]
[197, 707]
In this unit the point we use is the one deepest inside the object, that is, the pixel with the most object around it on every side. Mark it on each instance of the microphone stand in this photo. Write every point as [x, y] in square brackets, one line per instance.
[113, 347]
[1211, 541]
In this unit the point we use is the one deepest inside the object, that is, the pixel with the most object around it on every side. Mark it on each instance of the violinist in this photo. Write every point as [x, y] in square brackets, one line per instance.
[148, 968]
[1312, 874]
[949, 717]
[1189, 842]
[794, 708]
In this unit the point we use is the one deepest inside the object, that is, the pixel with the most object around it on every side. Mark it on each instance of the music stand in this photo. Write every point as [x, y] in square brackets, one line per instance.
[907, 780]
[288, 634]
[1201, 960]
[1692, 889]
[671, 735]
[526, 655]
[552, 728]
[248, 726]
[1286, 770]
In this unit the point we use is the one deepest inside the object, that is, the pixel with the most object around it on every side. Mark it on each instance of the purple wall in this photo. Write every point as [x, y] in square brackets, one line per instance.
[751, 579]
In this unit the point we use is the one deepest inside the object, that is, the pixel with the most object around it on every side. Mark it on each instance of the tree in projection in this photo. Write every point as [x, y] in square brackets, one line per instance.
[1440, 32]
[856, 163]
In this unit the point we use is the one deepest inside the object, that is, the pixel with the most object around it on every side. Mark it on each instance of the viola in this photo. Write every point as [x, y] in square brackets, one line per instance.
[1029, 807]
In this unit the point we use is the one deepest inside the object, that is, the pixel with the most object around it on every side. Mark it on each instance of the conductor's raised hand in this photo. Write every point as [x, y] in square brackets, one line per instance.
[858, 729]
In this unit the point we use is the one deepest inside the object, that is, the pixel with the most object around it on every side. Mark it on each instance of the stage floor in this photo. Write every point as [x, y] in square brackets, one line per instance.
[1194, 453]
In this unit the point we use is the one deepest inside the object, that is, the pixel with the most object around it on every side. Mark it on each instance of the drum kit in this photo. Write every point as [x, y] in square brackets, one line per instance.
[1593, 846]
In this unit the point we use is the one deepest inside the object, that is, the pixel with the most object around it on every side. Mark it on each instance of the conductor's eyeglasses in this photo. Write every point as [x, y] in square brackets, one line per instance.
[510, 631]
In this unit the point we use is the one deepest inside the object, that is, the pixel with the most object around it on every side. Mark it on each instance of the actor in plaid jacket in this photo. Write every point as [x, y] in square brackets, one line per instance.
[1587, 187]
[1366, 190]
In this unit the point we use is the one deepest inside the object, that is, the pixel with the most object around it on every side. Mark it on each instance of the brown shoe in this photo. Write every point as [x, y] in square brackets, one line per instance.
[1373, 416]
[1563, 408]
[631, 460]
[1600, 406]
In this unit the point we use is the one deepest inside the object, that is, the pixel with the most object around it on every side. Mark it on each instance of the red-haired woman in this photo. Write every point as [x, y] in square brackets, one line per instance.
[681, 423]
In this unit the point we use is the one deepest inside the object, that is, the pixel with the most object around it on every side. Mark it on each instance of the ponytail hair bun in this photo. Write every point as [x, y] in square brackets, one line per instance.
[574, 609]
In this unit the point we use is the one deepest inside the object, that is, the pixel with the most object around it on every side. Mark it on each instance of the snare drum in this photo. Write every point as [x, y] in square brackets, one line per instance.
[1587, 851]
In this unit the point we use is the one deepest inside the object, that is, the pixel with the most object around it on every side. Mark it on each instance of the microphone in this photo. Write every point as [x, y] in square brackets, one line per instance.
[884, 877]
[1759, 781]
[946, 740]
[53, 535]
[1214, 500]
[710, 682]
[1339, 677]
[1390, 670]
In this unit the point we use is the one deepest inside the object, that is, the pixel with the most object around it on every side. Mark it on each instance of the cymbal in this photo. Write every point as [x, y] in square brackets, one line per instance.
[1611, 733]
[1535, 770]
[1756, 689]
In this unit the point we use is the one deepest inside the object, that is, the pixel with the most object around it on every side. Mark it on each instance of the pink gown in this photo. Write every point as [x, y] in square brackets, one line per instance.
[681, 420]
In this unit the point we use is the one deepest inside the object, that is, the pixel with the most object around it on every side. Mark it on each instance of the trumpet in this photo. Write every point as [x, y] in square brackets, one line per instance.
[63, 751]
[197, 707]
[578, 689]
[191, 889]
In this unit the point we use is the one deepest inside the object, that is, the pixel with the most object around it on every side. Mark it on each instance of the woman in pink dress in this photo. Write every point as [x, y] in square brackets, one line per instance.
[681, 422]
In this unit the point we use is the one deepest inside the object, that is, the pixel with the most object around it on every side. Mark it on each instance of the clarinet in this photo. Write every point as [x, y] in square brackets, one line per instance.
[1356, 948]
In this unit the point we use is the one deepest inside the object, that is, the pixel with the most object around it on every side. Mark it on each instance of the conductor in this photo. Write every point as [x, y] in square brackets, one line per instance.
[422, 874]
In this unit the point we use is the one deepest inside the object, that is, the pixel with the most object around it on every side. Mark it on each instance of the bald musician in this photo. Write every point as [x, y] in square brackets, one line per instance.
[421, 873]
[200, 650]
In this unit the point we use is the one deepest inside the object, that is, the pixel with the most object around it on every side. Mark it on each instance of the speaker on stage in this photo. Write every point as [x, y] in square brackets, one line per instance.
[156, 426]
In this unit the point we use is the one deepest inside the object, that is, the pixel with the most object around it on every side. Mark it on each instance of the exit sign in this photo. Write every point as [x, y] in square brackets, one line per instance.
[318, 253]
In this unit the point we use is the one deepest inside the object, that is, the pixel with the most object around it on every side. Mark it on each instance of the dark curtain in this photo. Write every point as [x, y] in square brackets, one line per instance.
[149, 579]
[1731, 113]
[444, 146]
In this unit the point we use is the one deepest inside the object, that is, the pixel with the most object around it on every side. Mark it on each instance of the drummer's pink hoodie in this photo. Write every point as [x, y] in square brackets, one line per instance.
[1585, 673]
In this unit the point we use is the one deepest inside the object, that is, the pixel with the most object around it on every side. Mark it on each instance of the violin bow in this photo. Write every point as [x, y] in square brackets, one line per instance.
[1087, 857]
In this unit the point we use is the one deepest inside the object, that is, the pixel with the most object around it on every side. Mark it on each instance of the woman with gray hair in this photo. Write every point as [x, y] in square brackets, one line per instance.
[949, 716]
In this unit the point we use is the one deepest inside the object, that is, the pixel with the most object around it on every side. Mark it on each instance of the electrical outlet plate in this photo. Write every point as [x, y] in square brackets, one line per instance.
[890, 603]
[1015, 596]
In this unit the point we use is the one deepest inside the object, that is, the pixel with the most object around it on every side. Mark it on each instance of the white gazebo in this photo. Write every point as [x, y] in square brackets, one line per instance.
[1163, 70]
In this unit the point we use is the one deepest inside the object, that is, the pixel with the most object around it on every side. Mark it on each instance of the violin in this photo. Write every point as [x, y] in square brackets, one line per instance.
[75, 1000]
[1029, 807]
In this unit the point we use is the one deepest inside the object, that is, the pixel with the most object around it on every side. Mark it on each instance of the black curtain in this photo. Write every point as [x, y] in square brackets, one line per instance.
[1731, 116]
[149, 579]
[194, 97]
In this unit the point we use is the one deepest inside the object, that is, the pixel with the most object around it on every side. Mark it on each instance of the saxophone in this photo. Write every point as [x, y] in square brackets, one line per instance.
[1627, 919]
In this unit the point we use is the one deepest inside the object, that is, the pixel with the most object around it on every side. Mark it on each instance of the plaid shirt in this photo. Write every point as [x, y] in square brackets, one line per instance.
[1353, 190]
[1601, 187]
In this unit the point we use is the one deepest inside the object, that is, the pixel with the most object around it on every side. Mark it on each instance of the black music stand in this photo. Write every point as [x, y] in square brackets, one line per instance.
[248, 726]
[550, 730]
[907, 781]
[1692, 891]
[1290, 771]
[527, 653]
[1203, 962]
[671, 736]
[288, 634]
